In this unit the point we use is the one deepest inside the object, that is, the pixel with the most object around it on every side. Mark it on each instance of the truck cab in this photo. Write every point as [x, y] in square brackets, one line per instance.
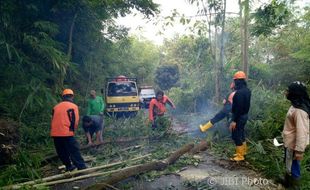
[121, 96]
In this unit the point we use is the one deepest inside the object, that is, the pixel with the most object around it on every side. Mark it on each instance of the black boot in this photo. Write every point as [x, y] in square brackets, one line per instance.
[295, 184]
[70, 168]
[290, 183]
[284, 180]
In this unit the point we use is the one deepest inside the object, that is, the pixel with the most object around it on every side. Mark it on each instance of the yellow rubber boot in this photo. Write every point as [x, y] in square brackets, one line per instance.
[205, 127]
[239, 154]
[245, 147]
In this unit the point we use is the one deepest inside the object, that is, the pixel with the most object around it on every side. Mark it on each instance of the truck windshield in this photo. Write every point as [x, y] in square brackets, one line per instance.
[122, 89]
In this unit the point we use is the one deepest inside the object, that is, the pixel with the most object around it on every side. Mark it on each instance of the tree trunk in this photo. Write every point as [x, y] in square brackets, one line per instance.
[217, 67]
[155, 165]
[222, 40]
[246, 38]
[59, 178]
[202, 146]
[220, 64]
[241, 31]
[69, 52]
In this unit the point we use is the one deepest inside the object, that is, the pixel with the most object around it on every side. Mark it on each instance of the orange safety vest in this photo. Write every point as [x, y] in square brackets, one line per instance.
[159, 107]
[65, 119]
[230, 97]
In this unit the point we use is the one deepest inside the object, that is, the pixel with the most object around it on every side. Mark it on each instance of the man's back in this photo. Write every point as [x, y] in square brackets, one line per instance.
[65, 119]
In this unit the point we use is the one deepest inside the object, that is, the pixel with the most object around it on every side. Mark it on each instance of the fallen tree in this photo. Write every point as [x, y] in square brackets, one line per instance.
[61, 178]
[142, 168]
[202, 146]
[115, 175]
[121, 140]
[53, 157]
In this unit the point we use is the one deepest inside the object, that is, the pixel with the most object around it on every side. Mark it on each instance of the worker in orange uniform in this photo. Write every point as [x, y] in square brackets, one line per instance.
[65, 120]
[224, 112]
[240, 109]
[157, 107]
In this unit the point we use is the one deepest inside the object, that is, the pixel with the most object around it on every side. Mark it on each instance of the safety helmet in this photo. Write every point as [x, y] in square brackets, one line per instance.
[239, 75]
[67, 92]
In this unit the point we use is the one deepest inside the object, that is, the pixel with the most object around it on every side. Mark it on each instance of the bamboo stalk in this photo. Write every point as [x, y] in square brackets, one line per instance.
[50, 158]
[71, 174]
[135, 170]
[86, 176]
[110, 186]
[73, 179]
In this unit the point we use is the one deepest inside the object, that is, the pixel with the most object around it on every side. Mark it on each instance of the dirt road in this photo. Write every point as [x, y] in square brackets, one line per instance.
[211, 173]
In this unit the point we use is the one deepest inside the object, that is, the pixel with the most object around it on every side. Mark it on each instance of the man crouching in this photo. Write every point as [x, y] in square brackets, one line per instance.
[93, 124]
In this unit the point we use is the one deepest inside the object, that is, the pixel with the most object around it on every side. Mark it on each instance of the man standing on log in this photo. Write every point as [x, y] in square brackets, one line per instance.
[240, 108]
[65, 120]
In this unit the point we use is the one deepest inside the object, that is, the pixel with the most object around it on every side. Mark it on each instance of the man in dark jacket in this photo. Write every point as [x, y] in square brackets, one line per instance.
[240, 109]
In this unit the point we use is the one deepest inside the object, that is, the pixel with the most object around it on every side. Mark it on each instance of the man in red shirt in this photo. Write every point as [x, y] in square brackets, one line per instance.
[158, 107]
[65, 120]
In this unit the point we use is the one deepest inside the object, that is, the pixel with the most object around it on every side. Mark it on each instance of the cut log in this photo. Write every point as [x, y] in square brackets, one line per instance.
[202, 146]
[135, 170]
[72, 174]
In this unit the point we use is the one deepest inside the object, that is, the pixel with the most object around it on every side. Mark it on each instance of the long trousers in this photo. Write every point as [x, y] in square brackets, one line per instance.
[68, 151]
[292, 166]
[225, 111]
[238, 135]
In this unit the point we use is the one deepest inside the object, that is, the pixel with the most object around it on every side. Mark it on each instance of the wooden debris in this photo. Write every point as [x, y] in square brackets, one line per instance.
[53, 157]
[202, 146]
[72, 174]
[135, 170]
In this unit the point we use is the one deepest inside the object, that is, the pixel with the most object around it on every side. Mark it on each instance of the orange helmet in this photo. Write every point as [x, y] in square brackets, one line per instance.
[67, 92]
[239, 75]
